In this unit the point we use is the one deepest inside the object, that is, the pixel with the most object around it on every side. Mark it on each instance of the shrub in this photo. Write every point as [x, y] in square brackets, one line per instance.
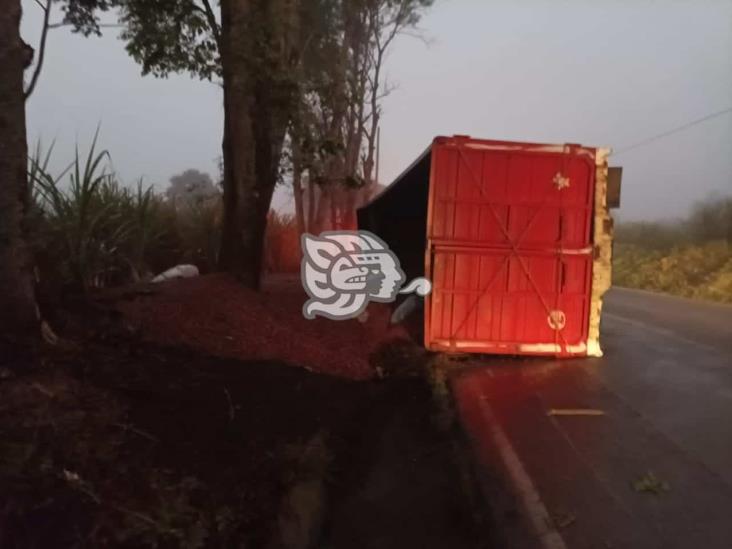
[92, 232]
[282, 244]
[198, 224]
[711, 220]
[87, 230]
[653, 235]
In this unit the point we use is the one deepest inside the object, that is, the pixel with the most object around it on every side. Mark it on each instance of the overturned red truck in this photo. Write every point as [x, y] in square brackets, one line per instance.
[515, 237]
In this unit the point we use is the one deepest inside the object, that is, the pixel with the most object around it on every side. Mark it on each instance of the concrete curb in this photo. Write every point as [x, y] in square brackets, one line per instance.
[504, 484]
[522, 485]
[446, 420]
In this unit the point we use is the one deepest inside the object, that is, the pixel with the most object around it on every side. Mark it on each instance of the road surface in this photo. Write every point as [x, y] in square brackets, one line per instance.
[664, 388]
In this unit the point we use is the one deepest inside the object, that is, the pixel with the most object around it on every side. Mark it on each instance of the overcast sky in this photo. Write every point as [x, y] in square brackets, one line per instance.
[601, 73]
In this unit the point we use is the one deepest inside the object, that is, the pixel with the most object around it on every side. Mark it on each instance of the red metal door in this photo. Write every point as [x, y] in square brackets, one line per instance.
[509, 247]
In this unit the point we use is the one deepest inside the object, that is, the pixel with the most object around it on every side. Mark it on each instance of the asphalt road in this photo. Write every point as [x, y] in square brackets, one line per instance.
[671, 359]
[664, 388]
[693, 321]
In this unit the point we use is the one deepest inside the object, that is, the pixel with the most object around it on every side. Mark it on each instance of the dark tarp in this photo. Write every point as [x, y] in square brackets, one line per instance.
[399, 215]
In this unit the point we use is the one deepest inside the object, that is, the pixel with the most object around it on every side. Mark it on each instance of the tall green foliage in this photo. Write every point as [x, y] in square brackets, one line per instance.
[198, 225]
[90, 229]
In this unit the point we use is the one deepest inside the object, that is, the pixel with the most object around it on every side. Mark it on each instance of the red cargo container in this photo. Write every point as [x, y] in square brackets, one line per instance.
[516, 243]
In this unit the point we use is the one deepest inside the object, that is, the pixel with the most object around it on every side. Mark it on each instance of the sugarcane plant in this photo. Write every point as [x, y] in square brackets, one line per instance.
[88, 229]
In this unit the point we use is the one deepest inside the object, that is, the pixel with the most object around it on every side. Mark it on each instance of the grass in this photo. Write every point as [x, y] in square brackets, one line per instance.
[691, 257]
[701, 271]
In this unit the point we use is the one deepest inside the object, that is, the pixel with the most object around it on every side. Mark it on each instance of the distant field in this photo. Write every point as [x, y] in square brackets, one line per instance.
[689, 257]
[701, 271]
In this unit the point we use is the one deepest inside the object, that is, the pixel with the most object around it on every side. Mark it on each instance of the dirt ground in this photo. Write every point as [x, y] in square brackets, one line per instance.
[127, 436]
[216, 315]
[143, 445]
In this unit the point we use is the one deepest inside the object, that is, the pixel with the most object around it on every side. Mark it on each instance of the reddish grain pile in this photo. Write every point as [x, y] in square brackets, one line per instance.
[216, 315]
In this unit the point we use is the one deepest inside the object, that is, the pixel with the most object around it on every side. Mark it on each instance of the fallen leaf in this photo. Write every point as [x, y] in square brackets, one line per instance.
[563, 519]
[650, 483]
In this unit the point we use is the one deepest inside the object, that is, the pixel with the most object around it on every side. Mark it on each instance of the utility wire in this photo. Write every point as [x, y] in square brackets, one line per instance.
[673, 131]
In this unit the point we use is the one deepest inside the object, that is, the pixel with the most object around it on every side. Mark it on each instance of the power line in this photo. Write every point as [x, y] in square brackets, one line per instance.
[673, 131]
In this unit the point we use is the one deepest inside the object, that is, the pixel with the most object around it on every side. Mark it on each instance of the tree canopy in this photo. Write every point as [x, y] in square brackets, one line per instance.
[302, 74]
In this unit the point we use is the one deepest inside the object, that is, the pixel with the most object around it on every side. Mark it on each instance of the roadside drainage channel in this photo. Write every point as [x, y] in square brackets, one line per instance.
[395, 480]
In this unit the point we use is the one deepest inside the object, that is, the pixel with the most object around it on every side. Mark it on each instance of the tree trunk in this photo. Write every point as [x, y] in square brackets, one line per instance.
[373, 135]
[322, 211]
[238, 142]
[18, 311]
[349, 219]
[311, 203]
[335, 197]
[297, 191]
[256, 110]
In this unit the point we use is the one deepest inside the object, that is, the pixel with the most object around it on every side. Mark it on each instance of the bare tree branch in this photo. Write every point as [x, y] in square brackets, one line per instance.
[41, 50]
[211, 17]
[100, 25]
[420, 35]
